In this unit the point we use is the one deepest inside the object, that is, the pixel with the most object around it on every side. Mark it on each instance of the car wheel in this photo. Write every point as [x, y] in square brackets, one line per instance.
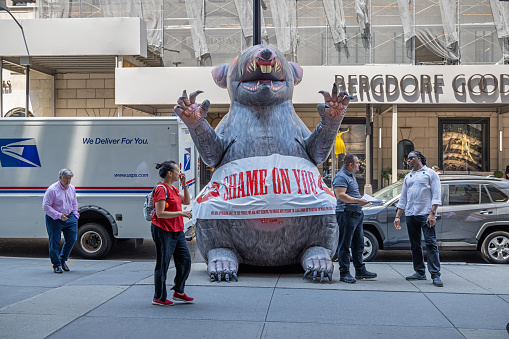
[370, 246]
[94, 241]
[495, 248]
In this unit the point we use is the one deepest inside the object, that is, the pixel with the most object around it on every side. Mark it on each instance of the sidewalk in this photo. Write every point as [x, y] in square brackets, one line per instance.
[112, 299]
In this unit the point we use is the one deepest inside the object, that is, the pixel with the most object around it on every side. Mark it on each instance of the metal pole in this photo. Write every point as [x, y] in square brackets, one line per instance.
[500, 142]
[27, 90]
[162, 31]
[28, 58]
[414, 38]
[333, 163]
[379, 156]
[368, 188]
[120, 64]
[394, 152]
[257, 23]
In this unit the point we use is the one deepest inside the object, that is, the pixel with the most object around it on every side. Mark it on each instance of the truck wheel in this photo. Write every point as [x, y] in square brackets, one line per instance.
[94, 242]
[370, 246]
[495, 248]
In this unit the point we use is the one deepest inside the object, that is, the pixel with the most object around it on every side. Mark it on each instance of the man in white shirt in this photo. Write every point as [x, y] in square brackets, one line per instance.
[419, 200]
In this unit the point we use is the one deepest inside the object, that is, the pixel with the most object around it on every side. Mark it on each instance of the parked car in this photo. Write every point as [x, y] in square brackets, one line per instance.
[474, 216]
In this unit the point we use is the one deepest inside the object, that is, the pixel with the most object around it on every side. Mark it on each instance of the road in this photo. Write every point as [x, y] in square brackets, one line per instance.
[124, 250]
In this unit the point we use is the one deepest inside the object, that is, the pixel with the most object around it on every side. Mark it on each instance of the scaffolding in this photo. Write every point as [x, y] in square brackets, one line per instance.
[313, 32]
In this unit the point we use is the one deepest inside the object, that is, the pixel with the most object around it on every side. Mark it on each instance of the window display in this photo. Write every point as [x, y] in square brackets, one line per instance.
[464, 145]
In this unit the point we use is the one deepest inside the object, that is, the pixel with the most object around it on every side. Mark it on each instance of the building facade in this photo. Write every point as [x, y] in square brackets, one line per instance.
[428, 75]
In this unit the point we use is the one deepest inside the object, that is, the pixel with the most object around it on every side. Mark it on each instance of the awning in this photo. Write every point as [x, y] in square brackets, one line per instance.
[84, 45]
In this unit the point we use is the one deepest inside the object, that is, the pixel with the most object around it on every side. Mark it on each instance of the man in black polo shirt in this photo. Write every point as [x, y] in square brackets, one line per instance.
[349, 216]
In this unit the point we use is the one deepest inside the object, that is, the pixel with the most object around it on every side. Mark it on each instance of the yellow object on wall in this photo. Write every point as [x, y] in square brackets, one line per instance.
[339, 145]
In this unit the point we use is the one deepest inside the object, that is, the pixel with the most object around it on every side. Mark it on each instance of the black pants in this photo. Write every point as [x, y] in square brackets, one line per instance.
[168, 244]
[351, 235]
[416, 224]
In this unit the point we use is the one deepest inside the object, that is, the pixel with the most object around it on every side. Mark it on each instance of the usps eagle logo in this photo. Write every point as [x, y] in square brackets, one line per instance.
[187, 159]
[19, 153]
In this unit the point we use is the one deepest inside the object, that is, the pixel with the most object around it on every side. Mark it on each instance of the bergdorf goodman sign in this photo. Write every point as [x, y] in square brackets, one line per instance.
[426, 84]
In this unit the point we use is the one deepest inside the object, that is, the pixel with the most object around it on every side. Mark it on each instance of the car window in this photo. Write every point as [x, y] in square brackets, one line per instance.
[496, 194]
[445, 195]
[463, 194]
[389, 192]
[485, 197]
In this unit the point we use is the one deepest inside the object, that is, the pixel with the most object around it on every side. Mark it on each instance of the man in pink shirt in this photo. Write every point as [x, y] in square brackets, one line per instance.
[61, 207]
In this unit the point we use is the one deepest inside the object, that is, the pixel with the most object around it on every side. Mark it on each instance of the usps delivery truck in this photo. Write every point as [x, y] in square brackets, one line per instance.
[113, 161]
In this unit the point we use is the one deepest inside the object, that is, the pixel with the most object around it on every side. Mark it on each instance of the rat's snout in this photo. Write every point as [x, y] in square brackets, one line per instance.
[265, 57]
[266, 54]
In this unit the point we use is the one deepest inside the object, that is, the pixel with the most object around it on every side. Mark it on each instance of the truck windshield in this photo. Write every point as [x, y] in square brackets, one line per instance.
[389, 192]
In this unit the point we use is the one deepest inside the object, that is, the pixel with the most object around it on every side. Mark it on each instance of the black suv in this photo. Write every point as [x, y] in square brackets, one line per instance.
[474, 216]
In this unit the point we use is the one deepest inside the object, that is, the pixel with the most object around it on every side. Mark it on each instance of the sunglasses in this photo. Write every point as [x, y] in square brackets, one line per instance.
[410, 158]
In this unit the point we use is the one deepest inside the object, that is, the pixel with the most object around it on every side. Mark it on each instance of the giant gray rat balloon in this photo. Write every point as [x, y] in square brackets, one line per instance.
[248, 219]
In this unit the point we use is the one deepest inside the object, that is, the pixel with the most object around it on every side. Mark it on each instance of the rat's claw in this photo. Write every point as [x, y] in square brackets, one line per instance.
[321, 276]
[235, 276]
[329, 275]
[321, 109]
[306, 273]
[205, 105]
[181, 101]
[192, 96]
[178, 110]
[315, 274]
[334, 92]
[326, 95]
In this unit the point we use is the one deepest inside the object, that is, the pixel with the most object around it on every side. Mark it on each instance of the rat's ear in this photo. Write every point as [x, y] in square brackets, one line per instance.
[297, 72]
[219, 74]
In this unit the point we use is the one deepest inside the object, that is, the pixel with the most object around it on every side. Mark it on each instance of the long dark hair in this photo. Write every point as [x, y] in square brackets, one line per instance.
[165, 167]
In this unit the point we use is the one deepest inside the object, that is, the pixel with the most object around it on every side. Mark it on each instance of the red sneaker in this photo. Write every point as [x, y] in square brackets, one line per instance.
[182, 297]
[161, 303]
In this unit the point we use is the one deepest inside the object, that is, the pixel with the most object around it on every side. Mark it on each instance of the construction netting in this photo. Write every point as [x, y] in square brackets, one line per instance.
[313, 32]
[151, 11]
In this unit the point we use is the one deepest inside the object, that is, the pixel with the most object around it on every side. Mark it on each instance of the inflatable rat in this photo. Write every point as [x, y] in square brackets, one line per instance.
[266, 204]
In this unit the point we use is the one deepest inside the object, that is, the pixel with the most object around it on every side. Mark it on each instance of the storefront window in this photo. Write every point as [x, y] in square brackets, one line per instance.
[464, 144]
[351, 138]
[404, 148]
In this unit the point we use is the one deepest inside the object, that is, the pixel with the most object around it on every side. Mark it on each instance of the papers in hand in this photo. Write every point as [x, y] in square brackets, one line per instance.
[371, 200]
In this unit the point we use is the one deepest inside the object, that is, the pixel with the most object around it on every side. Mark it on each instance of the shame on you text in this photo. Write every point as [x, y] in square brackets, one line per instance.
[253, 182]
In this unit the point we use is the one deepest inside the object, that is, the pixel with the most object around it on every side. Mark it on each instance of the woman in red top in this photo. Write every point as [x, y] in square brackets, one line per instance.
[168, 233]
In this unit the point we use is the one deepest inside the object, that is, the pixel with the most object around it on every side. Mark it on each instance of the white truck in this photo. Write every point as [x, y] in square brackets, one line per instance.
[113, 161]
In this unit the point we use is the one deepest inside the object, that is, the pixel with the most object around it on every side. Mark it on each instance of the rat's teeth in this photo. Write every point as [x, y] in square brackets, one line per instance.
[266, 68]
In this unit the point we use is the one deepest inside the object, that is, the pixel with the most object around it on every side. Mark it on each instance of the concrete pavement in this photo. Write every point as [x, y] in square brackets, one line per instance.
[101, 299]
